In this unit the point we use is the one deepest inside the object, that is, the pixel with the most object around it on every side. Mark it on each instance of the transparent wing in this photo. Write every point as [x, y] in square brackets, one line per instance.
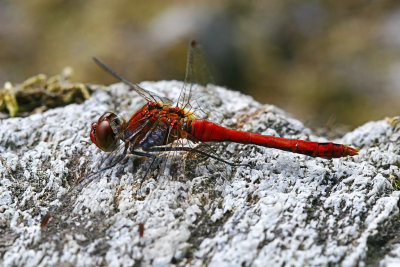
[197, 73]
[147, 95]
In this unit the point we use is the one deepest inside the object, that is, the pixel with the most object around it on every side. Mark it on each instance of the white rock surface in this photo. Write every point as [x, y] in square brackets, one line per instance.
[287, 209]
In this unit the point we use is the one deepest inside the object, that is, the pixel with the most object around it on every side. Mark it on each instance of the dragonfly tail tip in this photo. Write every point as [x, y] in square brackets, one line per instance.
[352, 151]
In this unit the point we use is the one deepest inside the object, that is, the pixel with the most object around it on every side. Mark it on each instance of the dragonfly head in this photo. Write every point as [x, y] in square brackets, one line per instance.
[105, 132]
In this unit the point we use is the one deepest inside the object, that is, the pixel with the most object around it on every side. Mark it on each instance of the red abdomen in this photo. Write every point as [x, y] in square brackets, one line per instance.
[206, 131]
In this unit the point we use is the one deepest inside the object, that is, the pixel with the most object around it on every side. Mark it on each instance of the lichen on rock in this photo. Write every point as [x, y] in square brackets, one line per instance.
[286, 209]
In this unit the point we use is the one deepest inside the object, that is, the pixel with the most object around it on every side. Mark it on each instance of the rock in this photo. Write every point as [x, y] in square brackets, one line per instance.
[286, 209]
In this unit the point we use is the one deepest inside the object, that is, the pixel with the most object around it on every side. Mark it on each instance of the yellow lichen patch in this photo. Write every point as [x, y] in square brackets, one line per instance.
[392, 120]
[40, 93]
[7, 98]
[395, 180]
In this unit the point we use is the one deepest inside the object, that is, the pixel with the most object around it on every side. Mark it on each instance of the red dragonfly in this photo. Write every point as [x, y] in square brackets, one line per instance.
[159, 124]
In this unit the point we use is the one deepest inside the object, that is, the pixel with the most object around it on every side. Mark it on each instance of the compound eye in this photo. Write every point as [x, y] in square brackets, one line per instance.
[93, 133]
[102, 133]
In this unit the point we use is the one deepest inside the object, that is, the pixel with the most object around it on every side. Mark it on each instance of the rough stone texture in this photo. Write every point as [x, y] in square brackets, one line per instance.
[287, 209]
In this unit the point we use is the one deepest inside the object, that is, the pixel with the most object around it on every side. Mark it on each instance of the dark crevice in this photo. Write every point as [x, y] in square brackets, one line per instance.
[379, 245]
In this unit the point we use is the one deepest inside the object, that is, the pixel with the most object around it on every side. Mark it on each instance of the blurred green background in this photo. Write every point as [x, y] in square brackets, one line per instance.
[329, 63]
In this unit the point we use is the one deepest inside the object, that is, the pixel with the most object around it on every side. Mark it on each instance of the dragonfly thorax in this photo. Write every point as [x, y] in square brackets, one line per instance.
[157, 117]
[156, 137]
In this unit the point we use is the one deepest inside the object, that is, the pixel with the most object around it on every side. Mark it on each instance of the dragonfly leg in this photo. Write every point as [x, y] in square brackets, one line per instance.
[148, 155]
[189, 149]
[78, 185]
[114, 162]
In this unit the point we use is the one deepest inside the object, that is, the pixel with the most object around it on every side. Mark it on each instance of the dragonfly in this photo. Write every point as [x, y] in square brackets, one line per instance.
[159, 124]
